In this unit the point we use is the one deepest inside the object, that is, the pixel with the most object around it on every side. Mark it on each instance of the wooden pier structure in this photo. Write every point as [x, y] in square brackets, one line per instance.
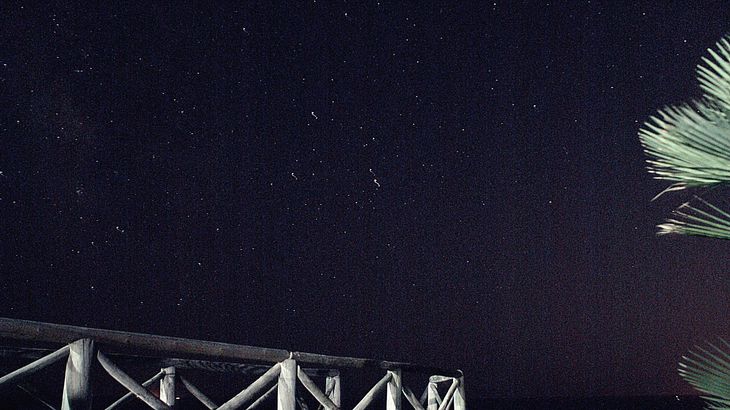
[281, 374]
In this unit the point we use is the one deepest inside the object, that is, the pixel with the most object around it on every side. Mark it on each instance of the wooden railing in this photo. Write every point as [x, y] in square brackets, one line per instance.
[85, 346]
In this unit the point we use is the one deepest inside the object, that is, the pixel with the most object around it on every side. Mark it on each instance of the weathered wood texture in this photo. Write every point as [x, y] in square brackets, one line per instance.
[77, 394]
[333, 389]
[434, 400]
[25, 371]
[266, 396]
[449, 397]
[316, 392]
[167, 386]
[207, 402]
[124, 398]
[15, 329]
[412, 399]
[460, 396]
[286, 398]
[129, 383]
[395, 391]
[249, 392]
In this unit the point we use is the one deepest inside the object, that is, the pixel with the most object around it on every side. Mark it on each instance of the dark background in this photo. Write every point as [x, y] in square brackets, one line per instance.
[458, 185]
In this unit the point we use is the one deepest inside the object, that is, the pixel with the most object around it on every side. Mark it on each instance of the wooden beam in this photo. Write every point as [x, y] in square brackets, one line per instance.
[30, 368]
[316, 392]
[248, 393]
[433, 396]
[460, 396]
[14, 329]
[286, 394]
[130, 384]
[408, 394]
[393, 399]
[263, 398]
[129, 394]
[167, 386]
[77, 394]
[207, 402]
[333, 388]
[373, 392]
[449, 395]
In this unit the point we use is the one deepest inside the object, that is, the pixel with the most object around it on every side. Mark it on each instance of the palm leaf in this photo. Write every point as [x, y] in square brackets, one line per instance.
[703, 219]
[708, 371]
[689, 146]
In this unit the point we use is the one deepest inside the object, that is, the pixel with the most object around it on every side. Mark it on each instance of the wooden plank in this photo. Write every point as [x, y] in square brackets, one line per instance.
[167, 386]
[408, 394]
[449, 395]
[286, 398]
[333, 389]
[460, 396]
[316, 392]
[77, 394]
[248, 393]
[207, 402]
[30, 368]
[263, 398]
[393, 398]
[373, 392]
[129, 383]
[147, 383]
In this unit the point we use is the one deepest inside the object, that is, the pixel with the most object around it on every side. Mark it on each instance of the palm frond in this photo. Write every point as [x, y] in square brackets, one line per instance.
[708, 371]
[702, 220]
[689, 144]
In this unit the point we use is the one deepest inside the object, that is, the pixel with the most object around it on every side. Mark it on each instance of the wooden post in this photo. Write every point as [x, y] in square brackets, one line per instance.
[77, 381]
[167, 386]
[433, 396]
[394, 396]
[332, 385]
[286, 390]
[460, 396]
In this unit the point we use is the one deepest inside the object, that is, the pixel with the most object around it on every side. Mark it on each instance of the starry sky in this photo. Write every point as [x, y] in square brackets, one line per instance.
[458, 185]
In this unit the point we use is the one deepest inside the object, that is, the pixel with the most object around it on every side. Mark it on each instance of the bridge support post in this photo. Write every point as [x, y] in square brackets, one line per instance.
[460, 396]
[167, 386]
[286, 388]
[332, 385]
[395, 391]
[433, 396]
[77, 394]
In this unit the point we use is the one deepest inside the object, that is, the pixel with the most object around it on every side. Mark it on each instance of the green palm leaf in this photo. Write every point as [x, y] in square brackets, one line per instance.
[704, 219]
[689, 145]
[708, 370]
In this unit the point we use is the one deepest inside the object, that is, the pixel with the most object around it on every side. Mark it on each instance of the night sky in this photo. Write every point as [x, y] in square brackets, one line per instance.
[458, 185]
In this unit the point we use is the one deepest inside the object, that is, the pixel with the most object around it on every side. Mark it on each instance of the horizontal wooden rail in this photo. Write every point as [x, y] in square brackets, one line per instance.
[165, 346]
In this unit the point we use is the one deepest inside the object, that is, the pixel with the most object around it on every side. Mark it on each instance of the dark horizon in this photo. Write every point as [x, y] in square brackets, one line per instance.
[453, 185]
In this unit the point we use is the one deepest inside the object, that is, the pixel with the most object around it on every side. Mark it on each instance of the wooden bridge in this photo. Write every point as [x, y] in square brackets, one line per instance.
[279, 372]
